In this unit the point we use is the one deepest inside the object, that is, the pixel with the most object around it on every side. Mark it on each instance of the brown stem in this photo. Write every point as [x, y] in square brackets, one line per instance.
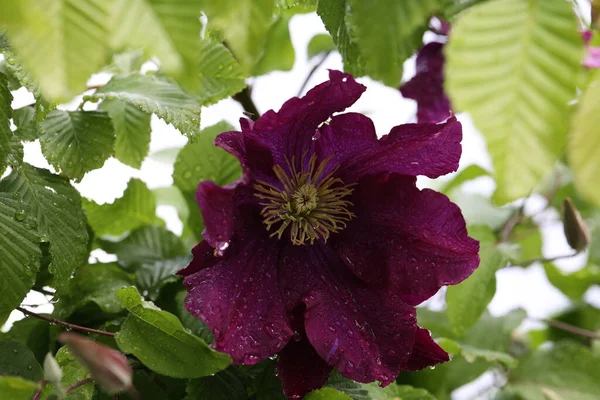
[570, 328]
[38, 392]
[78, 384]
[245, 99]
[312, 72]
[510, 224]
[549, 259]
[96, 86]
[44, 291]
[65, 324]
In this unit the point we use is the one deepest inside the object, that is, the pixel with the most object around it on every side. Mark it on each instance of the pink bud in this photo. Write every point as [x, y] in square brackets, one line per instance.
[108, 367]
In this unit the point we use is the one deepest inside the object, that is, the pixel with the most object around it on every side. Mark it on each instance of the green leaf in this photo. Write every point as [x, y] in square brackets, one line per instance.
[575, 284]
[17, 360]
[24, 119]
[5, 116]
[132, 127]
[279, 53]
[327, 393]
[321, 43]
[262, 382]
[73, 372]
[514, 66]
[529, 238]
[168, 30]
[137, 207]
[389, 32]
[147, 244]
[472, 354]
[304, 5]
[195, 325]
[158, 339]
[61, 42]
[201, 160]
[126, 63]
[153, 94]
[33, 333]
[55, 207]
[214, 75]
[333, 14]
[76, 142]
[225, 385]
[584, 143]
[582, 316]
[151, 278]
[478, 209]
[96, 283]
[469, 299]
[15, 388]
[565, 371]
[372, 391]
[465, 175]
[244, 25]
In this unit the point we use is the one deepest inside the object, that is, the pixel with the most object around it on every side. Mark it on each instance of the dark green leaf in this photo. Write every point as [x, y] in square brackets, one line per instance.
[33, 333]
[5, 116]
[321, 43]
[17, 360]
[137, 207]
[150, 278]
[582, 316]
[15, 388]
[24, 119]
[158, 339]
[225, 385]
[195, 325]
[469, 299]
[262, 382]
[279, 54]
[73, 372]
[76, 142]
[153, 94]
[327, 393]
[132, 127]
[55, 206]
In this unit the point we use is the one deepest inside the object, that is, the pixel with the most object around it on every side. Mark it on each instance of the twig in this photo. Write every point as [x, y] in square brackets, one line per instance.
[44, 291]
[570, 328]
[549, 259]
[38, 392]
[245, 99]
[65, 324]
[312, 72]
[96, 86]
[78, 384]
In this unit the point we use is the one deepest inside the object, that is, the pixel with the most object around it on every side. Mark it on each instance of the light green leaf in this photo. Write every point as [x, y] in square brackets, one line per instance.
[478, 209]
[389, 32]
[5, 116]
[469, 299]
[320, 44]
[55, 207]
[528, 237]
[96, 283]
[171, 196]
[472, 354]
[147, 244]
[137, 207]
[158, 339]
[575, 284]
[565, 371]
[167, 30]
[126, 63]
[132, 127]
[584, 143]
[152, 94]
[304, 5]
[468, 174]
[61, 42]
[279, 53]
[24, 119]
[372, 391]
[201, 160]
[15, 388]
[244, 25]
[76, 142]
[327, 393]
[73, 372]
[214, 75]
[225, 385]
[333, 14]
[514, 66]
[17, 360]
[20, 251]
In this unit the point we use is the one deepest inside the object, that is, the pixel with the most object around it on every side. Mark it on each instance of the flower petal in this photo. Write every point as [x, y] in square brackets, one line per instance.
[427, 86]
[426, 352]
[364, 333]
[416, 239]
[239, 299]
[300, 369]
[218, 208]
[203, 258]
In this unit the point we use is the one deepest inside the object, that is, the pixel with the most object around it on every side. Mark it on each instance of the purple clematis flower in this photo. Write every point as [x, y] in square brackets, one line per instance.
[592, 53]
[427, 86]
[321, 250]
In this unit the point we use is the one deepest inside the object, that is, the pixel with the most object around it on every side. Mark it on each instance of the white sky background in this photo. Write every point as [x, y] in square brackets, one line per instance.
[516, 287]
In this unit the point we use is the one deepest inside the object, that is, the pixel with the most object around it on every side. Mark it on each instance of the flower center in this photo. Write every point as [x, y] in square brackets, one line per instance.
[311, 204]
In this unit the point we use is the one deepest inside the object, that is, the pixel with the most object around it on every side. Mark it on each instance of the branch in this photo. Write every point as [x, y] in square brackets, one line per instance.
[245, 99]
[38, 392]
[46, 292]
[570, 328]
[78, 384]
[65, 324]
[312, 72]
[549, 259]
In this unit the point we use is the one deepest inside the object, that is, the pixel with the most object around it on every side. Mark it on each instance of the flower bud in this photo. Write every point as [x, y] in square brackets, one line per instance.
[108, 368]
[576, 231]
[52, 371]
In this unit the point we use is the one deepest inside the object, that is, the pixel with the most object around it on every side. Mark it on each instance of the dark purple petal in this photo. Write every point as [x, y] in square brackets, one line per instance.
[239, 299]
[300, 369]
[426, 352]
[416, 239]
[427, 86]
[366, 334]
[411, 149]
[203, 258]
[218, 208]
